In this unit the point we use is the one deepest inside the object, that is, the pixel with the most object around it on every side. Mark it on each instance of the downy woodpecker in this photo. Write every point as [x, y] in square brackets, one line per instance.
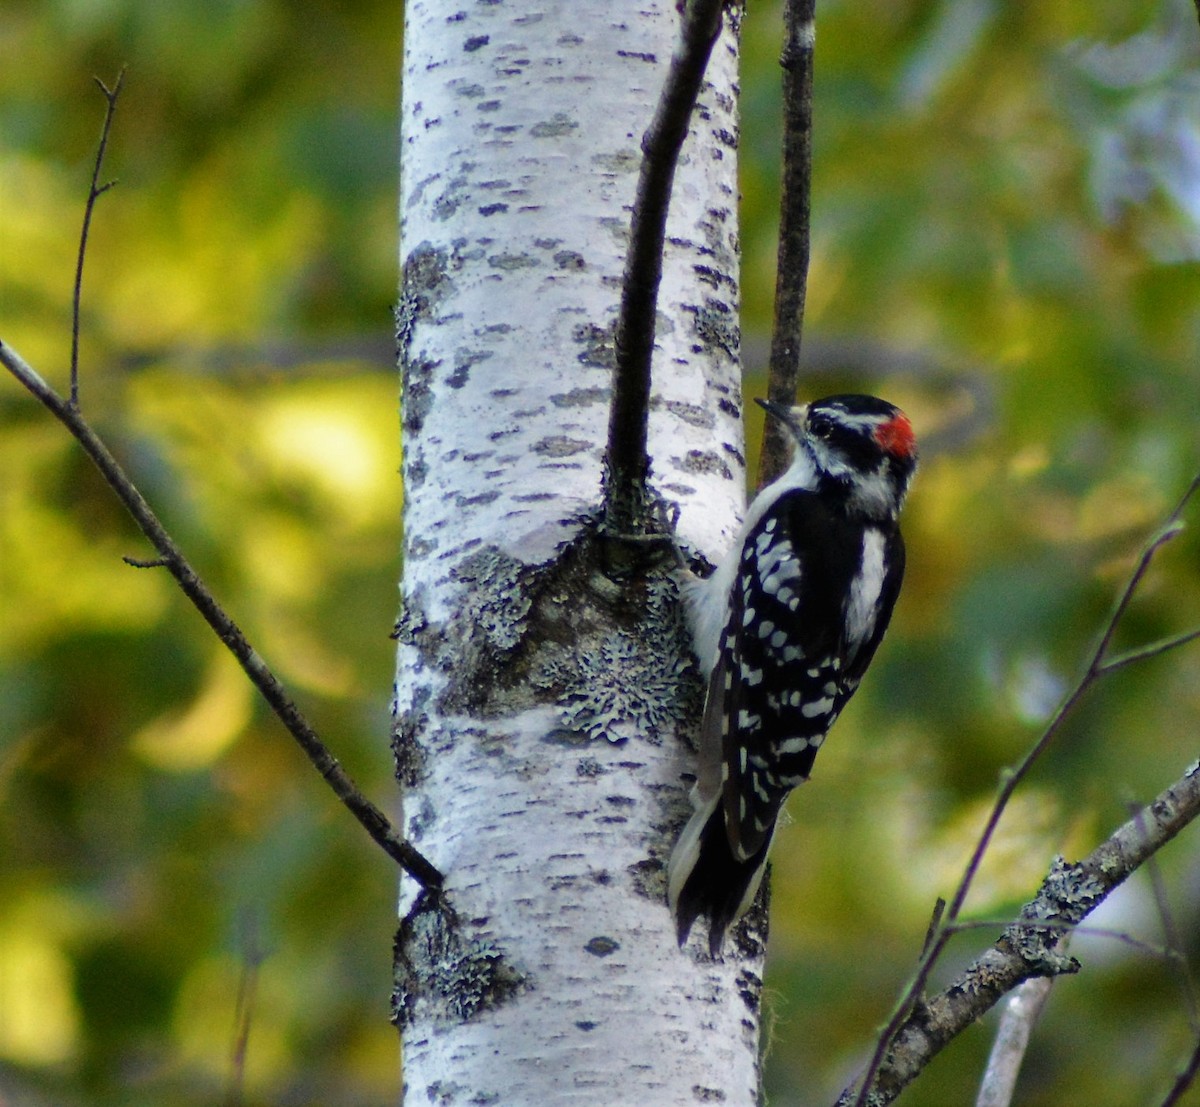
[784, 630]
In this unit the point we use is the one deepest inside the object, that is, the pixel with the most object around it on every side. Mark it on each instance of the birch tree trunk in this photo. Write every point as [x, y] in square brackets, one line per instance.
[544, 700]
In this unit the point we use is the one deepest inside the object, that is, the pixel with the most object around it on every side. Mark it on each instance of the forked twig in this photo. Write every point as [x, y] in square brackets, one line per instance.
[95, 191]
[1095, 669]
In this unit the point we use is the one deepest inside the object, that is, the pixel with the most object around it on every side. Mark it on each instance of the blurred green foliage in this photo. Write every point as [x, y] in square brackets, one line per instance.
[158, 830]
[1006, 190]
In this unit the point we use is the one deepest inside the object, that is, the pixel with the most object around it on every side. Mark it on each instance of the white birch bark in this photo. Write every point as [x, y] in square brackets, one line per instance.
[542, 710]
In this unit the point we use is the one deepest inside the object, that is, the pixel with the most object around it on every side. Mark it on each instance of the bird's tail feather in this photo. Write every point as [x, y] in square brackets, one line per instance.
[704, 878]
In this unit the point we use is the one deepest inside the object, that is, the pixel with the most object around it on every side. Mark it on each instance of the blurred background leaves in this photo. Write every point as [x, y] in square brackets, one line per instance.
[1006, 241]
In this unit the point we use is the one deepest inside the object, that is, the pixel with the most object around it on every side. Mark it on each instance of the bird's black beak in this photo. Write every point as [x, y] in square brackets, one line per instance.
[789, 416]
[780, 411]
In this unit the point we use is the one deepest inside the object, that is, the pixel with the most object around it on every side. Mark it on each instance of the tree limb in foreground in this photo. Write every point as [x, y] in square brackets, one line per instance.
[626, 460]
[791, 268]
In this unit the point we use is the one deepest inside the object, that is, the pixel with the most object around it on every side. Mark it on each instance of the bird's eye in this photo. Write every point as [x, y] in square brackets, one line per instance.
[821, 426]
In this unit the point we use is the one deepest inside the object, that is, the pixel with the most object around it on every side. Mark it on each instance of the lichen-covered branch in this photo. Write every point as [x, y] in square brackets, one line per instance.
[791, 270]
[171, 558]
[627, 462]
[1067, 896]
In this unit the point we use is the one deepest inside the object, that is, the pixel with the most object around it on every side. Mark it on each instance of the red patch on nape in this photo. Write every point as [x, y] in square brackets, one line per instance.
[896, 436]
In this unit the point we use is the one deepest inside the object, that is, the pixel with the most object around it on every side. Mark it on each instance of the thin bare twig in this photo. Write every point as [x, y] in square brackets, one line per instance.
[172, 559]
[1192, 1069]
[1163, 645]
[1176, 947]
[905, 1008]
[1094, 670]
[243, 1016]
[1123, 937]
[626, 460]
[145, 562]
[95, 191]
[935, 923]
[791, 270]
[1174, 944]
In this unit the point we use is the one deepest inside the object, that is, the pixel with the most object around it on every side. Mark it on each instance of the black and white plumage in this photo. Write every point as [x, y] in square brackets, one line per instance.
[784, 631]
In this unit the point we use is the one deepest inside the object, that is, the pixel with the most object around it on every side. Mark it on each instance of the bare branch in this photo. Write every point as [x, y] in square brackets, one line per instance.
[172, 559]
[1027, 948]
[145, 562]
[965, 393]
[627, 462]
[791, 270]
[95, 191]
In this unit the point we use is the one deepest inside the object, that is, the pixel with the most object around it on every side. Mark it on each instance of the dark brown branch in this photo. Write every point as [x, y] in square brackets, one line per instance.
[172, 559]
[95, 191]
[965, 392]
[626, 461]
[791, 276]
[909, 1005]
[1027, 948]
